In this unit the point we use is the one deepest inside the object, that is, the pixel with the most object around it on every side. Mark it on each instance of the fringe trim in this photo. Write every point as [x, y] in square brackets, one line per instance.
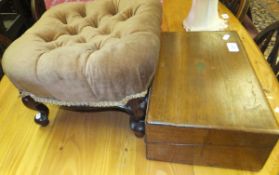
[122, 102]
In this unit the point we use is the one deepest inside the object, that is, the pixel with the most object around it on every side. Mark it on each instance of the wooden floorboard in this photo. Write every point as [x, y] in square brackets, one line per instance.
[83, 143]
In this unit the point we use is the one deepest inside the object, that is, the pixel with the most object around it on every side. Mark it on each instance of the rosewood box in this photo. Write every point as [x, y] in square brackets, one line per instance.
[206, 105]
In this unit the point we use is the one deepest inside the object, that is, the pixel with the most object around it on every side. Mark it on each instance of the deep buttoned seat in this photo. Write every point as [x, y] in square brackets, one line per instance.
[99, 53]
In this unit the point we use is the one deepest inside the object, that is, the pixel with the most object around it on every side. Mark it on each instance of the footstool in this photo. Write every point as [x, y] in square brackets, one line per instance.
[99, 54]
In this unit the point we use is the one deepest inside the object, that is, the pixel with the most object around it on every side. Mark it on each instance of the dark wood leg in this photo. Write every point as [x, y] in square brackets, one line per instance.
[41, 117]
[137, 110]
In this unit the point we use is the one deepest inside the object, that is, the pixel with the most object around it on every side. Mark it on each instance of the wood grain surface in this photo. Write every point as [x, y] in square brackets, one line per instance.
[206, 106]
[200, 83]
[102, 143]
[252, 158]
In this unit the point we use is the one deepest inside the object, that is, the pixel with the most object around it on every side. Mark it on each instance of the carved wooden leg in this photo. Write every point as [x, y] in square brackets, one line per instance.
[137, 110]
[41, 117]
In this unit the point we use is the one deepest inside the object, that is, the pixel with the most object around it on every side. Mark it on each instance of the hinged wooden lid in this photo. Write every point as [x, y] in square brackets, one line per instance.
[204, 80]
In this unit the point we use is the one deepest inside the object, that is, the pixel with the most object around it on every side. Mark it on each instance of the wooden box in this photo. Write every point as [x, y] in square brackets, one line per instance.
[206, 105]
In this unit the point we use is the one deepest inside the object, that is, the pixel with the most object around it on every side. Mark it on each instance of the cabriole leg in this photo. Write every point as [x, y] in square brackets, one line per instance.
[41, 117]
[137, 110]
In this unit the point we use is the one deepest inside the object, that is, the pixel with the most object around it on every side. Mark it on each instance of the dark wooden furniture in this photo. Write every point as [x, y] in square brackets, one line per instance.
[38, 8]
[238, 7]
[15, 18]
[206, 106]
[241, 9]
[136, 108]
[264, 39]
[4, 42]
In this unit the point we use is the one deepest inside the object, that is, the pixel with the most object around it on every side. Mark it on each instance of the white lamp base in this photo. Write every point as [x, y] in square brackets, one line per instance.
[204, 16]
[217, 26]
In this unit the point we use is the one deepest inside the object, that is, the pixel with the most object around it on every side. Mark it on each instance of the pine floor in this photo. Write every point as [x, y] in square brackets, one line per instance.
[75, 143]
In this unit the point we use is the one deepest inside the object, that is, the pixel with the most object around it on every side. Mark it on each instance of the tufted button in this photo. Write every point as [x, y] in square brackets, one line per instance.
[82, 12]
[61, 17]
[126, 14]
[90, 21]
[98, 46]
[105, 31]
[45, 38]
[113, 10]
[72, 31]
[95, 24]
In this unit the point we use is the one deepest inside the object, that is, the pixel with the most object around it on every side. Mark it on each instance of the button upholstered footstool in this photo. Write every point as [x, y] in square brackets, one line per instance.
[98, 54]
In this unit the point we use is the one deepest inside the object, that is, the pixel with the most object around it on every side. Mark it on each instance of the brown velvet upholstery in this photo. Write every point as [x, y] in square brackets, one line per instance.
[99, 53]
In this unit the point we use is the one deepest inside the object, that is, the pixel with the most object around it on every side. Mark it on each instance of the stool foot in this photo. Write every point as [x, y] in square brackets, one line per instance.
[137, 110]
[41, 117]
[138, 127]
